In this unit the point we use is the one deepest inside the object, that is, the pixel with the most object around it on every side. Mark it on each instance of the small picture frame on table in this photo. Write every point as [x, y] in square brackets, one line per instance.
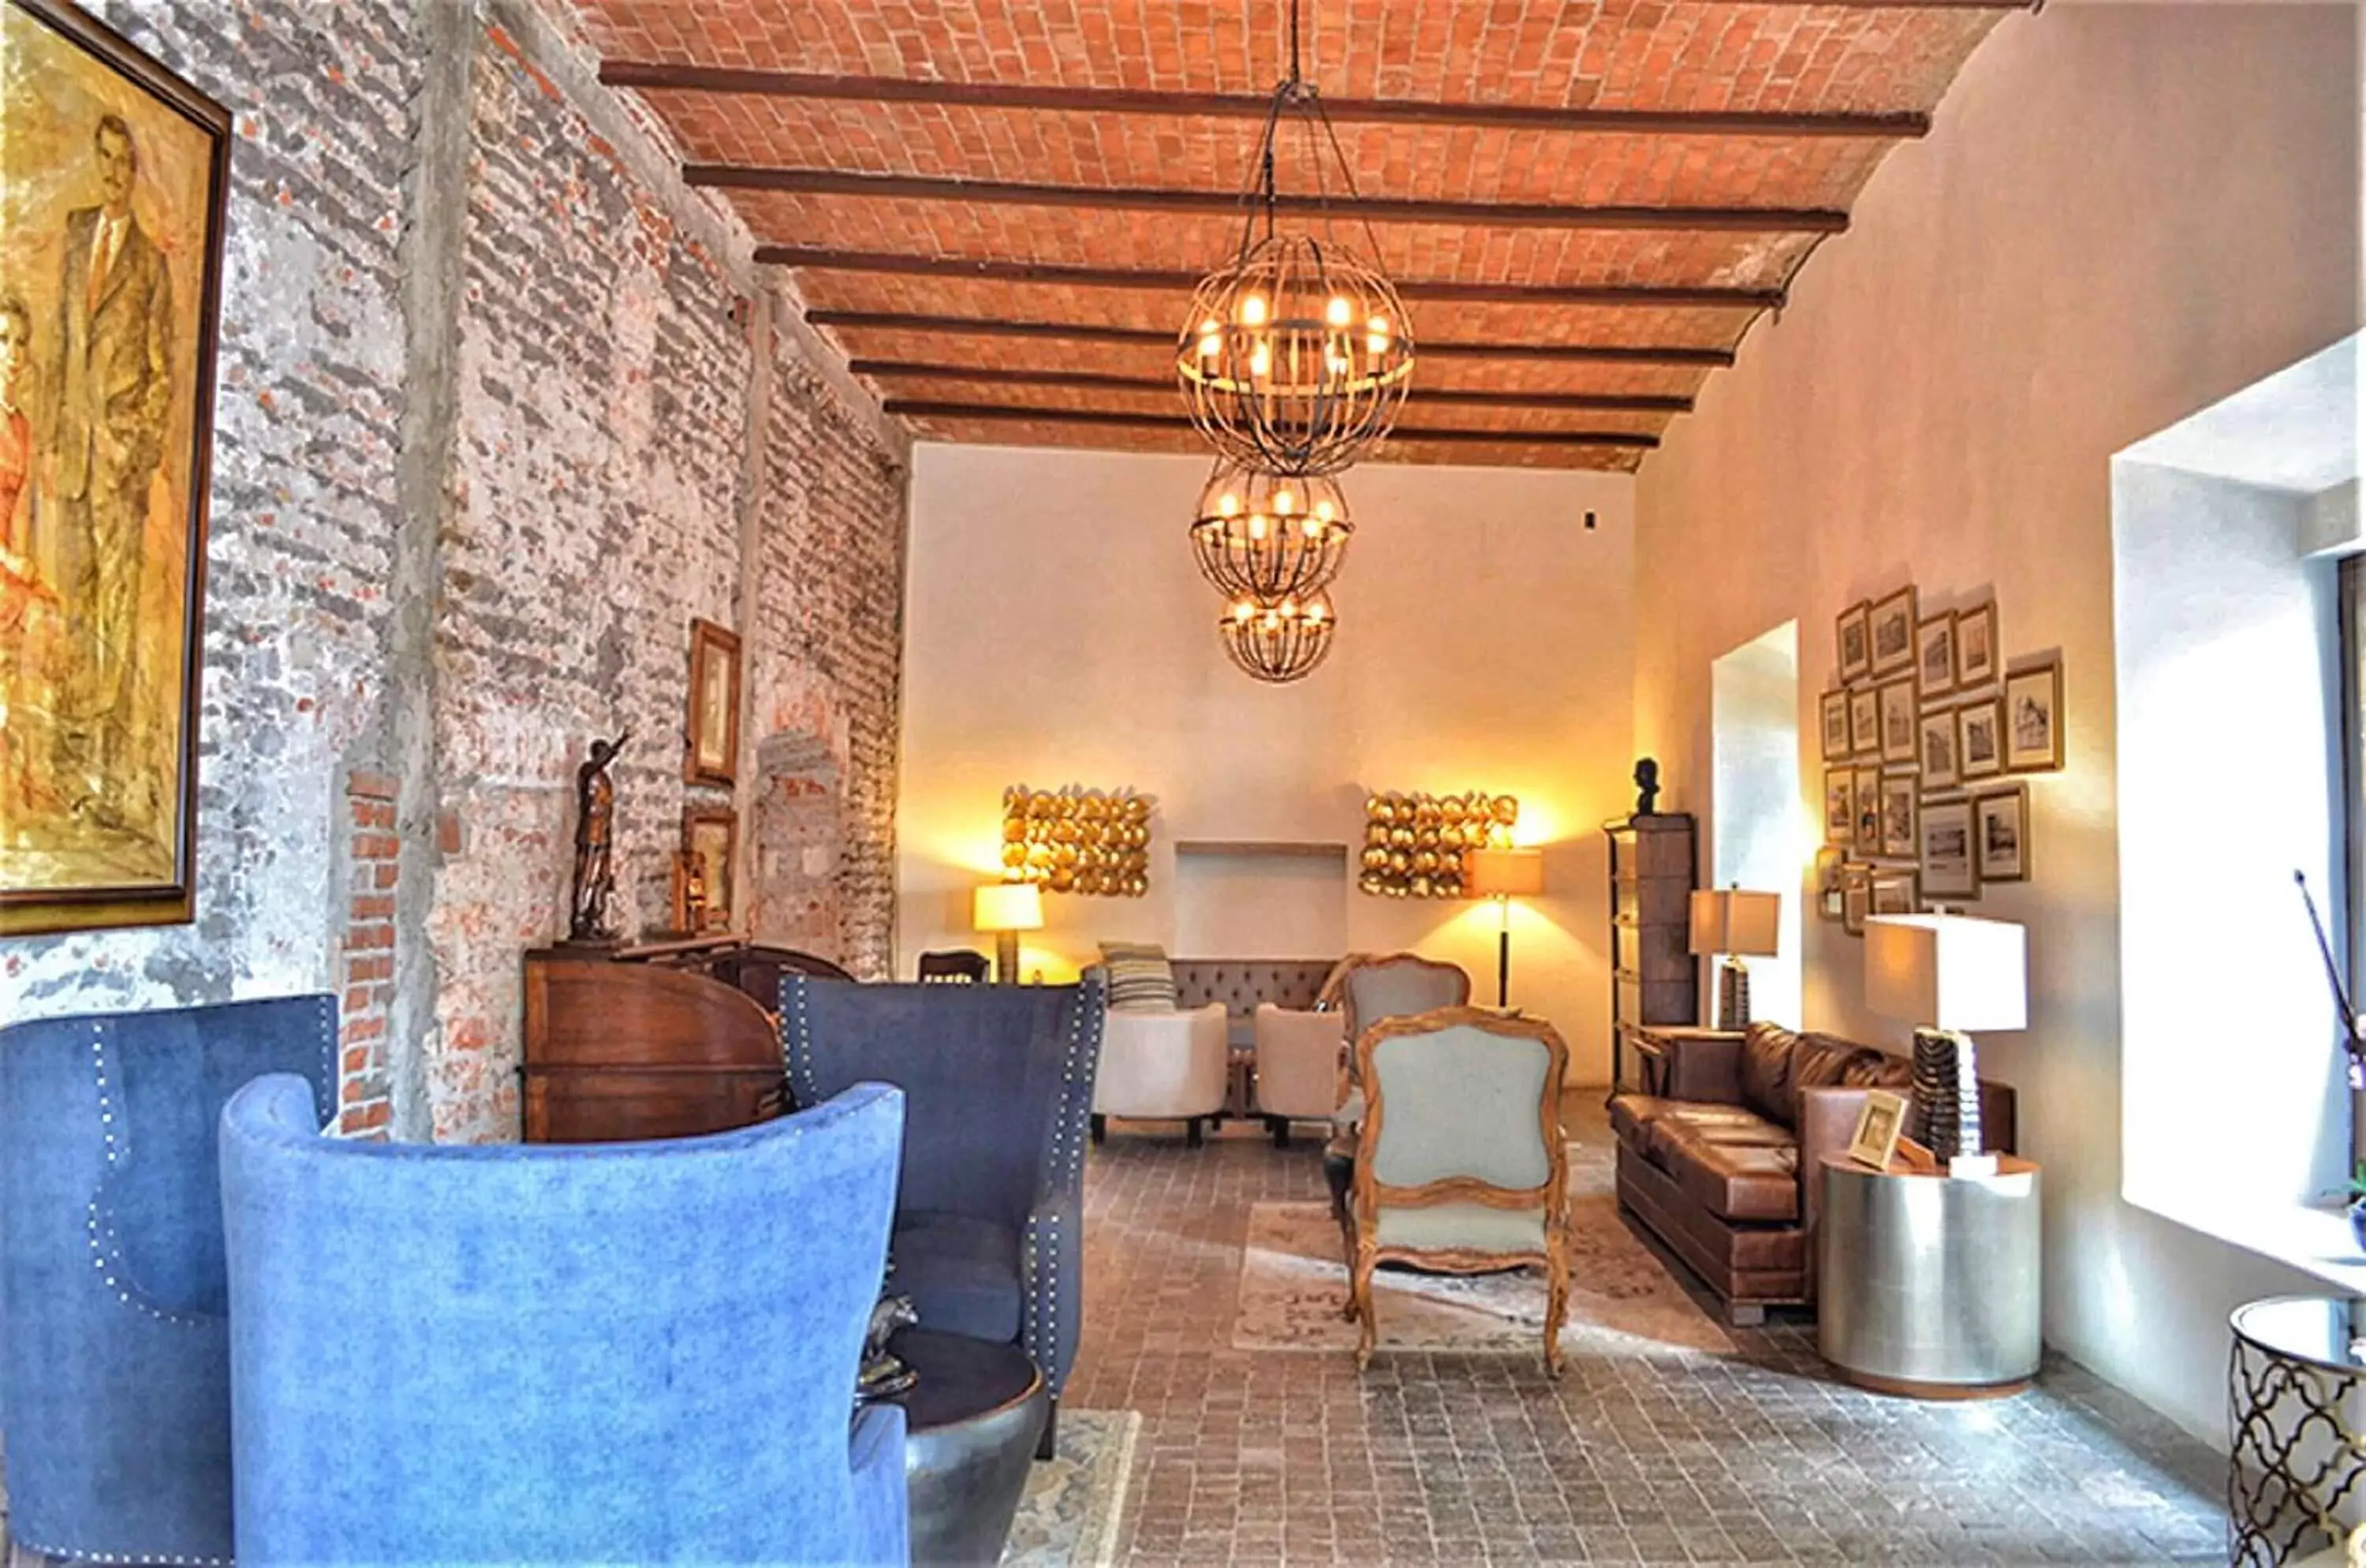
[1979, 739]
[1878, 1126]
[1852, 639]
[1935, 654]
[2001, 834]
[1893, 634]
[2032, 718]
[1837, 743]
[1975, 646]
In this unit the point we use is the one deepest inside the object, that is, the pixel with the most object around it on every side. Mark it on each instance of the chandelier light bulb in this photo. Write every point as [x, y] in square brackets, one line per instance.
[1339, 312]
[1252, 311]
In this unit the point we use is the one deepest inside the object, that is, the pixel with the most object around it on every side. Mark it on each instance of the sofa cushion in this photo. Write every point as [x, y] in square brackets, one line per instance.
[1736, 1173]
[1631, 1116]
[961, 1272]
[1766, 1051]
[1139, 975]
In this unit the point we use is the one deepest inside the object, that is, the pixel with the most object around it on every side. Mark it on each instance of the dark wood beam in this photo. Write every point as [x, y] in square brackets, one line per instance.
[1370, 208]
[901, 265]
[1045, 98]
[984, 326]
[913, 409]
[1088, 380]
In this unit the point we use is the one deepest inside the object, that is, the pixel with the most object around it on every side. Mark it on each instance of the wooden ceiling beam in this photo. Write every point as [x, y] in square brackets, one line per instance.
[1130, 421]
[898, 263]
[1370, 209]
[1091, 380]
[984, 326]
[1044, 98]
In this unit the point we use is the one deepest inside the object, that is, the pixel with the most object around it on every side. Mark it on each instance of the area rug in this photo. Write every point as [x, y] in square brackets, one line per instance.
[1622, 1300]
[1076, 1499]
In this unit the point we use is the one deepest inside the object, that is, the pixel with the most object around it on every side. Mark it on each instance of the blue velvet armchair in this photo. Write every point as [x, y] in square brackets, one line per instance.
[560, 1353]
[989, 1222]
[114, 1344]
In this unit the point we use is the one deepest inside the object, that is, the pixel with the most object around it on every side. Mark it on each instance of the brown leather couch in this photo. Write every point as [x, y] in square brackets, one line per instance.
[1720, 1160]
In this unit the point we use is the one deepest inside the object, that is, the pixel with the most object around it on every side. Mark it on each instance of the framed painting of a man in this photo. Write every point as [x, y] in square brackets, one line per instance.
[113, 174]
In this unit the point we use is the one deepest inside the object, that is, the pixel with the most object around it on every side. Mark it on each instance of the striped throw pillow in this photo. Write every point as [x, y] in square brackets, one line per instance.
[1139, 975]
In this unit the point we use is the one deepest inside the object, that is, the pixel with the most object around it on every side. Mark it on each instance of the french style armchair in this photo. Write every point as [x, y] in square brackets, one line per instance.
[560, 1353]
[998, 1084]
[1460, 1163]
[114, 1332]
[1371, 988]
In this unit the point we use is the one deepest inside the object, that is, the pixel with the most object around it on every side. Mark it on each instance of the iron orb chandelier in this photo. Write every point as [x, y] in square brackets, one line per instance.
[1279, 641]
[1296, 356]
[1270, 537]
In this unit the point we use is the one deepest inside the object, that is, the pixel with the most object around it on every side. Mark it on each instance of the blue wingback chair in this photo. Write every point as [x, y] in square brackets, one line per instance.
[114, 1347]
[989, 1222]
[637, 1352]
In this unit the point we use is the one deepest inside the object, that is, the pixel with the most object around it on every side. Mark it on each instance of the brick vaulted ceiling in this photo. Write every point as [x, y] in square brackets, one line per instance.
[1586, 203]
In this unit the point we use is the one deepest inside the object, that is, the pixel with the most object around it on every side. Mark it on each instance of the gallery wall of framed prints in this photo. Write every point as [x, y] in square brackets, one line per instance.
[1926, 731]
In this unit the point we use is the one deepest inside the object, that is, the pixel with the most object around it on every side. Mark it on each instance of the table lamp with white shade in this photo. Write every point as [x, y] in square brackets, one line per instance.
[1503, 875]
[1006, 909]
[1947, 975]
[1740, 925]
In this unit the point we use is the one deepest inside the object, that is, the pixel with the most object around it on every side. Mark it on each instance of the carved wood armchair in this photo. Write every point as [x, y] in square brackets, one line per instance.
[1460, 1163]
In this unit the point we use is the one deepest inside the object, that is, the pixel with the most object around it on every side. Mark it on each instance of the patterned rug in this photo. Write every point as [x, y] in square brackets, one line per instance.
[1622, 1300]
[1076, 1499]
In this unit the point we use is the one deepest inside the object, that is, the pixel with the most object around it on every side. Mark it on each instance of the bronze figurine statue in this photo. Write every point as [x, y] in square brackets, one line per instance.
[884, 1374]
[1647, 786]
[595, 828]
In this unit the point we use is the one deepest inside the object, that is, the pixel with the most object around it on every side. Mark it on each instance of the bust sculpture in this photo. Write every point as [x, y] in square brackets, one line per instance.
[1647, 786]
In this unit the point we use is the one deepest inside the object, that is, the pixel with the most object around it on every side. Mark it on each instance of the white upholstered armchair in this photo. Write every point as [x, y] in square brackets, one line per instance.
[1298, 1077]
[1162, 1066]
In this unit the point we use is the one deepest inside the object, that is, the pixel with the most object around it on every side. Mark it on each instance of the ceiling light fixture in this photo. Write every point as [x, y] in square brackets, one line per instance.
[1265, 537]
[1297, 353]
[1278, 640]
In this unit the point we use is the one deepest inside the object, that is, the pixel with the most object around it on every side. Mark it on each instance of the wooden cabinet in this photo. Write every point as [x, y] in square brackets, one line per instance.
[1655, 979]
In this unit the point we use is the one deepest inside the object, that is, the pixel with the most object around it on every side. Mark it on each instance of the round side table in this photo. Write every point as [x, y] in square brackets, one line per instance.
[1927, 1284]
[971, 1424]
[2296, 1364]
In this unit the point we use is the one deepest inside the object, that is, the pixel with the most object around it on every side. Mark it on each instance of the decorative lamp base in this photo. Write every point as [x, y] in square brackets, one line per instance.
[1733, 995]
[1947, 1117]
[1005, 958]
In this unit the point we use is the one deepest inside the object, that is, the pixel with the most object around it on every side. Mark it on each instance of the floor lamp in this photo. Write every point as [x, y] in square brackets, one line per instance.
[1006, 909]
[1946, 974]
[1740, 925]
[1502, 874]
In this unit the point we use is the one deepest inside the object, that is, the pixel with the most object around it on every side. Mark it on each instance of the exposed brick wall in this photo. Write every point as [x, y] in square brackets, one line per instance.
[309, 399]
[364, 1103]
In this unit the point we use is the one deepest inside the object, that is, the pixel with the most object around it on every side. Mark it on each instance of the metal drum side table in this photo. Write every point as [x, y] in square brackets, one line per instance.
[1927, 1284]
[2292, 1379]
[971, 1424]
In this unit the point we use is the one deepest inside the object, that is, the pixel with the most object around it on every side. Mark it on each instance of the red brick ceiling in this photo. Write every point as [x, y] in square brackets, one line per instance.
[1847, 78]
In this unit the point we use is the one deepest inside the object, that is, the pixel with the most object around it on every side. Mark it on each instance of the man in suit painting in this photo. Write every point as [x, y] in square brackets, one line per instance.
[113, 395]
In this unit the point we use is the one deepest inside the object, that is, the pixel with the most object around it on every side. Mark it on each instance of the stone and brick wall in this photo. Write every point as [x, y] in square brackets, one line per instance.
[622, 433]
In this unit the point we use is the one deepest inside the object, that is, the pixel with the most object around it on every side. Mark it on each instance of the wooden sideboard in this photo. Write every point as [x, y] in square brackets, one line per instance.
[667, 1040]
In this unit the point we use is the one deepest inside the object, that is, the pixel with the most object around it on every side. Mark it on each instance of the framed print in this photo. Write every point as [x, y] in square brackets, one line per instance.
[1829, 860]
[1895, 891]
[1878, 1126]
[1979, 739]
[1897, 727]
[1935, 654]
[2032, 718]
[1893, 634]
[1900, 795]
[1857, 896]
[1840, 804]
[1853, 636]
[1941, 765]
[1836, 726]
[1949, 868]
[113, 180]
[2001, 834]
[1864, 722]
[1975, 646]
[710, 838]
[711, 749]
[1866, 835]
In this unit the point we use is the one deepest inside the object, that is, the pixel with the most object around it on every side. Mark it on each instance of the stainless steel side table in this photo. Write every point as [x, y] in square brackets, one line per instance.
[2294, 1458]
[1927, 1284]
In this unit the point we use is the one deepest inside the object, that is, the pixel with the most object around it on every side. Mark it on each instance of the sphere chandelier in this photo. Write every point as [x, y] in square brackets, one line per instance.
[1265, 537]
[1279, 641]
[1296, 355]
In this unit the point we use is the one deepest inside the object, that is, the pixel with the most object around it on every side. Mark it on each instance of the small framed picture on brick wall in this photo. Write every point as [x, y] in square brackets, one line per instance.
[709, 838]
[711, 733]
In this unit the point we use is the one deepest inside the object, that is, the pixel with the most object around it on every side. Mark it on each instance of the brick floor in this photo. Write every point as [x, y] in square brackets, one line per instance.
[1681, 1458]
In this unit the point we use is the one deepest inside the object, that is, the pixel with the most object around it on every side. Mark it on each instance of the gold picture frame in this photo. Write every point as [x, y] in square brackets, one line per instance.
[2032, 718]
[1852, 641]
[710, 838]
[111, 219]
[710, 753]
[1892, 634]
[1879, 1123]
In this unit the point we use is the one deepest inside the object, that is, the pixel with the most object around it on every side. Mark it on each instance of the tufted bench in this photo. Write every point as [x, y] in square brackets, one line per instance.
[1241, 983]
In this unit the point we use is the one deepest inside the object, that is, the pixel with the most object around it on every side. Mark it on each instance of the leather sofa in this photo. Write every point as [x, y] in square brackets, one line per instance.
[1720, 1157]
